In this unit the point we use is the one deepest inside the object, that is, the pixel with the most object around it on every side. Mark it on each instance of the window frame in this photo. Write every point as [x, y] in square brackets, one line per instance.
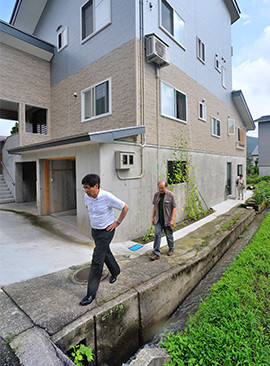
[93, 101]
[95, 31]
[175, 104]
[200, 50]
[171, 35]
[223, 77]
[60, 33]
[214, 119]
[216, 60]
[199, 111]
[231, 120]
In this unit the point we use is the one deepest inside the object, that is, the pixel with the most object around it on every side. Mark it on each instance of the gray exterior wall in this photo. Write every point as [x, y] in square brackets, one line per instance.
[76, 56]
[216, 35]
[264, 148]
[210, 21]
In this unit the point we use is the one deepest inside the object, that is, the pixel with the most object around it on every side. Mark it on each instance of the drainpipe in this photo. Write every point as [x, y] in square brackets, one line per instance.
[143, 140]
[157, 115]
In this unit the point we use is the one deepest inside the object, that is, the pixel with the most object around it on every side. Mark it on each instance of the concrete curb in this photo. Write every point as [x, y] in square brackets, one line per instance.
[124, 316]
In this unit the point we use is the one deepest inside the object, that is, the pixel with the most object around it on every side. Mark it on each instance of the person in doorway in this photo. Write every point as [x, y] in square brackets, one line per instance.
[240, 185]
[164, 211]
[100, 205]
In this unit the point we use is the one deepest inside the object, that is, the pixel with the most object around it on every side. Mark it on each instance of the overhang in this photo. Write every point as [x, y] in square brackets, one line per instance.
[107, 136]
[26, 14]
[243, 109]
[25, 42]
[233, 9]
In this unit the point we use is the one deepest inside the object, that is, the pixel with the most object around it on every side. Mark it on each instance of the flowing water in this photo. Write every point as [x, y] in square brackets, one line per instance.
[191, 304]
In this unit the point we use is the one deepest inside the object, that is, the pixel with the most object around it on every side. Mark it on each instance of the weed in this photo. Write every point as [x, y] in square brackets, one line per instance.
[80, 353]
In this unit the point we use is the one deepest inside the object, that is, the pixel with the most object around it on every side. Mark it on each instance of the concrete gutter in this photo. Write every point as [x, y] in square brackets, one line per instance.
[42, 316]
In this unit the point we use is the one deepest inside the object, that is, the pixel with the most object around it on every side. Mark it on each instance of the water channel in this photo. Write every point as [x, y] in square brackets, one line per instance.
[192, 302]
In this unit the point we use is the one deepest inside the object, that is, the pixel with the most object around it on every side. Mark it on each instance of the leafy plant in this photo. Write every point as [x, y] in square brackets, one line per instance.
[261, 192]
[232, 326]
[79, 353]
[150, 233]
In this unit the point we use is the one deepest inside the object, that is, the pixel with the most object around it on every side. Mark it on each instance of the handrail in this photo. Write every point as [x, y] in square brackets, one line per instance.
[3, 165]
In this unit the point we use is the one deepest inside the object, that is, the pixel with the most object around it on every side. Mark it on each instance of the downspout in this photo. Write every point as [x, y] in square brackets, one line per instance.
[157, 116]
[143, 141]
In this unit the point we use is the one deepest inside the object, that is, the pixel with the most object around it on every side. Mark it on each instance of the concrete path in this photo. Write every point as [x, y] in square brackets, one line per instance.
[32, 246]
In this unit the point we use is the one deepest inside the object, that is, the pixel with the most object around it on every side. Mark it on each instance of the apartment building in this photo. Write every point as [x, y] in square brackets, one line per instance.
[107, 87]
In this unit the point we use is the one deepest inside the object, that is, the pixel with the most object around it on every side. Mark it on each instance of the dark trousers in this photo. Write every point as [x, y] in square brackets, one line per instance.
[102, 253]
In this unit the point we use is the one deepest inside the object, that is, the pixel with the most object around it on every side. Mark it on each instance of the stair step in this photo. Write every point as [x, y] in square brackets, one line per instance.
[6, 200]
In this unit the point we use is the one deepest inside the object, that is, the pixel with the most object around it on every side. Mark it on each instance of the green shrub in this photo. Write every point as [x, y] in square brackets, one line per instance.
[261, 192]
[231, 327]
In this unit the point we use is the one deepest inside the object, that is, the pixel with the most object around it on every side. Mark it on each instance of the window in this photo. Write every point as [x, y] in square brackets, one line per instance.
[239, 169]
[215, 127]
[176, 171]
[223, 77]
[217, 63]
[200, 50]
[172, 23]
[231, 126]
[62, 41]
[202, 111]
[241, 137]
[96, 101]
[173, 103]
[35, 120]
[95, 15]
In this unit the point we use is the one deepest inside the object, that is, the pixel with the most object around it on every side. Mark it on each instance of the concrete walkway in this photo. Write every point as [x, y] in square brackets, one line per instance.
[32, 246]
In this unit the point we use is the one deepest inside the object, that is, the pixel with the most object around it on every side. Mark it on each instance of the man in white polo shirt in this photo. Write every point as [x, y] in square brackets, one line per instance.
[101, 205]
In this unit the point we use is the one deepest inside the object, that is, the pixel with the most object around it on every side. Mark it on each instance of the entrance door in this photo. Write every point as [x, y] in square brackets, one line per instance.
[60, 185]
[229, 179]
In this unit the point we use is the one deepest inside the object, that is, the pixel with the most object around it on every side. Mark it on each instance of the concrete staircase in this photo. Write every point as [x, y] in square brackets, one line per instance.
[5, 194]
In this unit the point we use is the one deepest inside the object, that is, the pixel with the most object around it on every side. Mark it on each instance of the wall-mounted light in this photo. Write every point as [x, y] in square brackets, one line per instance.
[150, 5]
[75, 94]
[59, 27]
[203, 100]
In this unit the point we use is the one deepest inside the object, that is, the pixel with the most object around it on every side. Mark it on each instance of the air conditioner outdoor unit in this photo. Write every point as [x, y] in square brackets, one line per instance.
[157, 51]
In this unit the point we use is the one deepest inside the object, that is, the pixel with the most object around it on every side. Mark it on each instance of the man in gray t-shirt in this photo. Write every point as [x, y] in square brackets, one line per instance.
[100, 205]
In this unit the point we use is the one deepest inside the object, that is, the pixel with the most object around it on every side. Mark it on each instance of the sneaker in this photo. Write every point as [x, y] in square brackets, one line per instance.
[170, 252]
[154, 257]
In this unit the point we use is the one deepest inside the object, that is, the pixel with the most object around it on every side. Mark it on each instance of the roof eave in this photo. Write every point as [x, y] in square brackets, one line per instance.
[243, 109]
[107, 136]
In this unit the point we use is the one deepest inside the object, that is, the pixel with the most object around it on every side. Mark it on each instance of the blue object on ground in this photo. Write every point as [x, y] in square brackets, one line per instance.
[135, 247]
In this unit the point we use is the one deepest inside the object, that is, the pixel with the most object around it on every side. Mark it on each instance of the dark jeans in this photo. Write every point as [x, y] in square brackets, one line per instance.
[102, 253]
[169, 236]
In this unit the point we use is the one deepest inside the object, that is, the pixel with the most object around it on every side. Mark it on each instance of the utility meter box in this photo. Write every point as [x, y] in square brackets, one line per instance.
[124, 159]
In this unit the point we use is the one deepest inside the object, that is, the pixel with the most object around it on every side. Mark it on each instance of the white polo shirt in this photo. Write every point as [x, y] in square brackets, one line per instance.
[101, 209]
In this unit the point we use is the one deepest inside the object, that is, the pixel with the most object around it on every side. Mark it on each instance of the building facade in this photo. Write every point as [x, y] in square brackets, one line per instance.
[109, 87]
[263, 151]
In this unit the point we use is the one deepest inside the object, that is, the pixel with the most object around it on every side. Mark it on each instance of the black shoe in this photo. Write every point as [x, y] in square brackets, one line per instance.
[113, 279]
[87, 300]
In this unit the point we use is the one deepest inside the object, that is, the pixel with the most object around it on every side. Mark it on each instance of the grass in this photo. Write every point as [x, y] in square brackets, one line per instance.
[232, 327]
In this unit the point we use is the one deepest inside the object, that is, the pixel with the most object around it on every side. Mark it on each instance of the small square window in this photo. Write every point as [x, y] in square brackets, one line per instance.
[173, 103]
[96, 101]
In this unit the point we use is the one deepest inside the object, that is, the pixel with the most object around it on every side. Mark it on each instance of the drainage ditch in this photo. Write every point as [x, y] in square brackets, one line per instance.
[192, 302]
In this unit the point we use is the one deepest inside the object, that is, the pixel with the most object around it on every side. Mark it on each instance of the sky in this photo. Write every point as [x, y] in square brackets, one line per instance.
[251, 56]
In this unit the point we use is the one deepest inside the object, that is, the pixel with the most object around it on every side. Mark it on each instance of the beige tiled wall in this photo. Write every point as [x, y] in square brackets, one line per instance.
[120, 66]
[24, 79]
